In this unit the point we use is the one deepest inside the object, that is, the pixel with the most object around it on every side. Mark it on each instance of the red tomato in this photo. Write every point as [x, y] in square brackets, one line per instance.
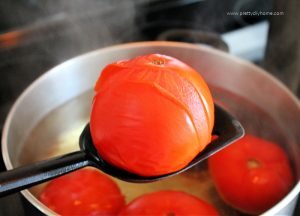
[252, 174]
[168, 203]
[151, 115]
[83, 192]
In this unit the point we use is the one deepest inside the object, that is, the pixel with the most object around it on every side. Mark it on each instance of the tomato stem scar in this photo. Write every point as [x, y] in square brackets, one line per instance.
[253, 163]
[158, 62]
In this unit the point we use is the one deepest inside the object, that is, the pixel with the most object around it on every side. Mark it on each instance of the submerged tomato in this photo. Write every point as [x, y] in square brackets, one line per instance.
[252, 174]
[83, 192]
[151, 115]
[168, 203]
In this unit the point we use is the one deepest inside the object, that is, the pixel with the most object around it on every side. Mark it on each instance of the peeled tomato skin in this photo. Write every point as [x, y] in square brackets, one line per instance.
[136, 136]
[171, 64]
[183, 85]
[151, 119]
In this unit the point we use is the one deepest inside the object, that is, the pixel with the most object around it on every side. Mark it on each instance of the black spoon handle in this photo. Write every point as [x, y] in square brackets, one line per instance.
[24, 177]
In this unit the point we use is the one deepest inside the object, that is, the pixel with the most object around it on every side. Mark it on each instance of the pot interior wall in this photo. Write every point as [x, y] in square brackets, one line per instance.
[52, 125]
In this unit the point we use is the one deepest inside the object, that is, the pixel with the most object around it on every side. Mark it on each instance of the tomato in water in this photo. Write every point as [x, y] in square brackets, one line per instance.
[252, 174]
[168, 203]
[151, 115]
[84, 192]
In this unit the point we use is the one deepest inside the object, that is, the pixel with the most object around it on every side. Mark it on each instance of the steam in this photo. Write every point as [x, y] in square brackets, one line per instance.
[37, 35]
[64, 29]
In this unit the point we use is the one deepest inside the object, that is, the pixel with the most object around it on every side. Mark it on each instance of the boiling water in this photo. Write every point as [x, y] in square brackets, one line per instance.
[59, 131]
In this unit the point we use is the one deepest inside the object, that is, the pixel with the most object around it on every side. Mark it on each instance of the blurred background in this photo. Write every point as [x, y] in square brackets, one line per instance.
[37, 35]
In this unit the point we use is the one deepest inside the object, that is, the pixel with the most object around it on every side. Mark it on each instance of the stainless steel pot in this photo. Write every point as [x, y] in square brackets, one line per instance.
[48, 117]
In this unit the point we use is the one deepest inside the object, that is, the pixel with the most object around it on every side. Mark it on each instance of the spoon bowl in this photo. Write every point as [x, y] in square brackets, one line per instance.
[227, 128]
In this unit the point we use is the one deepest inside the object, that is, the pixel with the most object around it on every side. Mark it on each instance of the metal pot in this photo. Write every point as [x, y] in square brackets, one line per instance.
[48, 117]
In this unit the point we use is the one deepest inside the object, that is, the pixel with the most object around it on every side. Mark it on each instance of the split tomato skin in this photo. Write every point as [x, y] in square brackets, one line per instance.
[168, 203]
[84, 192]
[252, 174]
[151, 115]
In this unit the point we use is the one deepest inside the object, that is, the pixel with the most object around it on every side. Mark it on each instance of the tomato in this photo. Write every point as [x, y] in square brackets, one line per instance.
[252, 174]
[83, 192]
[151, 115]
[168, 203]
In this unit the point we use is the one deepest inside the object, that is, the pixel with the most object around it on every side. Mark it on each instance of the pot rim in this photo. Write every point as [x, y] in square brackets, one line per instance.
[44, 209]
